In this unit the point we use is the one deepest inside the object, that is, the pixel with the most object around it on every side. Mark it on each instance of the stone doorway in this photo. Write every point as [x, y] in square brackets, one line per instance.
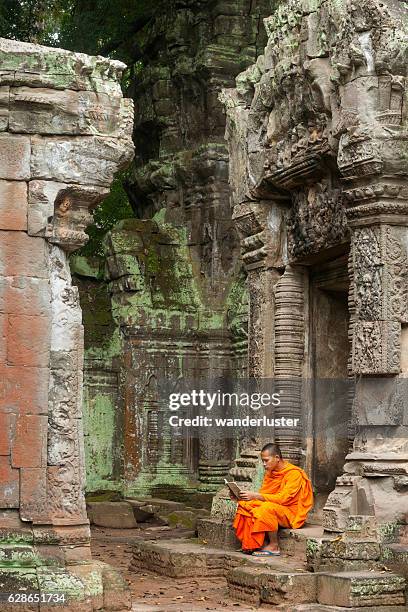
[329, 366]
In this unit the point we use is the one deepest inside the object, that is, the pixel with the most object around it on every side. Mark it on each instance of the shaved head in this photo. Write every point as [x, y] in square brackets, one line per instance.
[273, 449]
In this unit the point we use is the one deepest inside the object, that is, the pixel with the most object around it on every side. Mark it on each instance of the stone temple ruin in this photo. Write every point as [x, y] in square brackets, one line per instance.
[65, 131]
[316, 159]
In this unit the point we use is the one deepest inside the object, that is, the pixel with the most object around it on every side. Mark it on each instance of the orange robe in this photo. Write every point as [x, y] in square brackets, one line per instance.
[288, 498]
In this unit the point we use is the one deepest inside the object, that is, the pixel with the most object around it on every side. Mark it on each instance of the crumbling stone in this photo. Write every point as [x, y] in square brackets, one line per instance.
[117, 515]
[316, 129]
[57, 159]
[174, 272]
[361, 589]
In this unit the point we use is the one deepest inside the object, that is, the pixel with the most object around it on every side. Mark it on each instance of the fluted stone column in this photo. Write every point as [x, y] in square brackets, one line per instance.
[65, 131]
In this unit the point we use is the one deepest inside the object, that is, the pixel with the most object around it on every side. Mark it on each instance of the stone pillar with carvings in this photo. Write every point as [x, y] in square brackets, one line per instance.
[65, 131]
[262, 258]
[371, 127]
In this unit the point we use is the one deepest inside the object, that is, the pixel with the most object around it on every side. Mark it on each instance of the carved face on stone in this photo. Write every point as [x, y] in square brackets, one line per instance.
[64, 206]
[72, 216]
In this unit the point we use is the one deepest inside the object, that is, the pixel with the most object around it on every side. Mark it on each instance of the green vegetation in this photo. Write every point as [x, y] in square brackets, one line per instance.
[96, 27]
[114, 208]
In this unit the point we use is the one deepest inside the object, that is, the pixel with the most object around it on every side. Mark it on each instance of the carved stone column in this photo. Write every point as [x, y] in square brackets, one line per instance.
[65, 131]
[376, 469]
[371, 127]
[260, 226]
[289, 356]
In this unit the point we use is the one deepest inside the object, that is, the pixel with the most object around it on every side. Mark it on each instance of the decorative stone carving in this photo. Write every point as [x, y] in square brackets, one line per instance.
[320, 119]
[376, 347]
[289, 355]
[316, 220]
[186, 286]
[61, 212]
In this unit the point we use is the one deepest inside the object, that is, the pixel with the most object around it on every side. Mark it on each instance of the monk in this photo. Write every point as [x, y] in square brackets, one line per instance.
[284, 500]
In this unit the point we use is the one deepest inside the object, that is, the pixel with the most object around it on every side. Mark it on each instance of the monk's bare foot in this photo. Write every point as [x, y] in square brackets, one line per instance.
[267, 552]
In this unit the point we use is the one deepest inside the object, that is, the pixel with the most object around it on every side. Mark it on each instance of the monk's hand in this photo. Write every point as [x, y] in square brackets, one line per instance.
[249, 495]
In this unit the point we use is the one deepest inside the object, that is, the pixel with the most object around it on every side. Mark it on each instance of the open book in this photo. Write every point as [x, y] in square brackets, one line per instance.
[234, 488]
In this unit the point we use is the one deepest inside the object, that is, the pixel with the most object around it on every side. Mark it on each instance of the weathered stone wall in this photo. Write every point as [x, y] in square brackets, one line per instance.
[178, 294]
[65, 131]
[317, 133]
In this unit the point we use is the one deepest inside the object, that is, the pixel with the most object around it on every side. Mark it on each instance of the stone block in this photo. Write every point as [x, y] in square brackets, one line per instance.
[72, 535]
[4, 107]
[30, 442]
[218, 533]
[182, 518]
[291, 588]
[60, 580]
[50, 554]
[142, 511]
[23, 390]
[76, 554]
[361, 589]
[116, 593]
[179, 559]
[353, 550]
[18, 580]
[13, 530]
[293, 542]
[18, 555]
[243, 584]
[30, 340]
[60, 211]
[34, 504]
[164, 505]
[112, 514]
[395, 557]
[25, 295]
[9, 484]
[85, 160]
[41, 205]
[22, 255]
[3, 338]
[15, 152]
[65, 484]
[7, 427]
[90, 576]
[13, 205]
[57, 68]
[48, 111]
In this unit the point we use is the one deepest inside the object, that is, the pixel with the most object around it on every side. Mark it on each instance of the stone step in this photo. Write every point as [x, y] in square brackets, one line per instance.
[310, 607]
[322, 608]
[216, 532]
[293, 542]
[361, 588]
[264, 585]
[188, 558]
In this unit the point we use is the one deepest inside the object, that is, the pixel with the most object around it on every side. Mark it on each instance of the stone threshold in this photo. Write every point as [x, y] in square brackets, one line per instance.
[281, 582]
[193, 558]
